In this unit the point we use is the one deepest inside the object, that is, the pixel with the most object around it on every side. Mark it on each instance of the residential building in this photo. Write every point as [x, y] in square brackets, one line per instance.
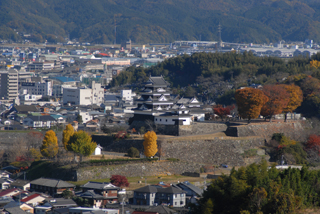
[99, 194]
[152, 196]
[88, 210]
[9, 84]
[50, 186]
[43, 121]
[20, 184]
[33, 199]
[192, 192]
[84, 96]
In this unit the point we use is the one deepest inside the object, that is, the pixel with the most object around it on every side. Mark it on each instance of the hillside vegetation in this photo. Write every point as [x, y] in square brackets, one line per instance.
[145, 21]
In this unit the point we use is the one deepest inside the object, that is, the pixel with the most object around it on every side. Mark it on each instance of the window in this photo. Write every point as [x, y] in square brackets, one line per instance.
[166, 120]
[181, 202]
[160, 119]
[175, 203]
[156, 119]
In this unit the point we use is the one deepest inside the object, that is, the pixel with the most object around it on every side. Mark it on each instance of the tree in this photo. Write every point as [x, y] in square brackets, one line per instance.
[35, 154]
[278, 99]
[221, 111]
[67, 133]
[81, 143]
[34, 139]
[119, 181]
[79, 119]
[133, 152]
[295, 98]
[250, 101]
[313, 142]
[150, 144]
[49, 146]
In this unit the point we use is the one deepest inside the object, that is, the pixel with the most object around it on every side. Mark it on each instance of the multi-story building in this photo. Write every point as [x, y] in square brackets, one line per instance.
[155, 99]
[84, 96]
[40, 66]
[9, 84]
[38, 88]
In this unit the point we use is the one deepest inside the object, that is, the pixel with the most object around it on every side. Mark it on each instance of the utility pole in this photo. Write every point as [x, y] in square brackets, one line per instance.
[115, 29]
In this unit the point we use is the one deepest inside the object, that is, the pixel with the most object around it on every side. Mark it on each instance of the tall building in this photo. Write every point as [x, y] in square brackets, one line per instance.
[9, 84]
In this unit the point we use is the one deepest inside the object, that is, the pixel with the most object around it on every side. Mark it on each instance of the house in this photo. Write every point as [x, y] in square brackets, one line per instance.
[50, 186]
[9, 192]
[99, 194]
[57, 203]
[160, 209]
[5, 174]
[43, 121]
[15, 210]
[20, 184]
[97, 150]
[22, 109]
[192, 192]
[88, 210]
[4, 183]
[17, 205]
[33, 199]
[152, 196]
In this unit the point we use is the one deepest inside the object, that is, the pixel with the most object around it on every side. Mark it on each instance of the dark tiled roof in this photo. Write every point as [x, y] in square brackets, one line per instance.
[157, 81]
[41, 118]
[51, 183]
[26, 108]
[19, 183]
[147, 189]
[190, 186]
[99, 185]
[91, 194]
[15, 210]
[172, 190]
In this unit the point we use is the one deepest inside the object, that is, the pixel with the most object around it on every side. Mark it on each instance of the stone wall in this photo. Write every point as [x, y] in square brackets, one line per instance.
[294, 129]
[156, 168]
[202, 128]
[217, 151]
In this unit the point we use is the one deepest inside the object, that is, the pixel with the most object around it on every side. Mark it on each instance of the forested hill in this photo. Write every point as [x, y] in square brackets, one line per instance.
[145, 21]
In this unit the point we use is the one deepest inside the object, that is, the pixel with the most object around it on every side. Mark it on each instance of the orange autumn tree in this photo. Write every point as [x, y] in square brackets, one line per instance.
[66, 134]
[250, 101]
[278, 99]
[150, 144]
[295, 98]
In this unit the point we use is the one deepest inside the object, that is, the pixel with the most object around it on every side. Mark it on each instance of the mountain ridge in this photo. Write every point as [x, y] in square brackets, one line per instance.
[145, 21]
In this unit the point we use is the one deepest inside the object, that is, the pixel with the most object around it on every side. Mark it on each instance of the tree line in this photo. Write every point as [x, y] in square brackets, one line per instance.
[261, 189]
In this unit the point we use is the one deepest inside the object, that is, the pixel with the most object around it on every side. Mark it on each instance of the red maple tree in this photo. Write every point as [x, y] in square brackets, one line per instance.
[223, 111]
[313, 142]
[119, 181]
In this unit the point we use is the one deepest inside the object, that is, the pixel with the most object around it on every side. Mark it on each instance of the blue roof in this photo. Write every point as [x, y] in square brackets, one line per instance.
[65, 79]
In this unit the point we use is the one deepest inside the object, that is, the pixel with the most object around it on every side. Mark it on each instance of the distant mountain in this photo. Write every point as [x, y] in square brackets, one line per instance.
[145, 21]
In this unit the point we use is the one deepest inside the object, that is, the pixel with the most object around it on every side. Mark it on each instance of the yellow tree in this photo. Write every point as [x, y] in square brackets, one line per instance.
[250, 101]
[314, 64]
[150, 144]
[295, 98]
[49, 146]
[81, 143]
[67, 133]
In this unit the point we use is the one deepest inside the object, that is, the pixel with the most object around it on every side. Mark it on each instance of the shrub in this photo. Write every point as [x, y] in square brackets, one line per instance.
[133, 152]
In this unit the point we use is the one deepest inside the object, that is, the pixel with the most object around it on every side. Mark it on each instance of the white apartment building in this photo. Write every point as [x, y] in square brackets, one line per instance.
[126, 95]
[40, 66]
[9, 84]
[84, 96]
[38, 88]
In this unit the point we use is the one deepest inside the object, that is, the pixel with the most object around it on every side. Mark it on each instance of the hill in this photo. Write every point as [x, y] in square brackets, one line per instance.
[145, 21]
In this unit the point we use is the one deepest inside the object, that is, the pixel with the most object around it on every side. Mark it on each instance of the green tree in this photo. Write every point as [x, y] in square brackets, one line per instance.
[81, 144]
[49, 146]
[133, 152]
[67, 133]
[79, 119]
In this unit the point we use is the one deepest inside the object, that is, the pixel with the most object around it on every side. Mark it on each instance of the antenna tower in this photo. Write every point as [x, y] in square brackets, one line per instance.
[220, 41]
